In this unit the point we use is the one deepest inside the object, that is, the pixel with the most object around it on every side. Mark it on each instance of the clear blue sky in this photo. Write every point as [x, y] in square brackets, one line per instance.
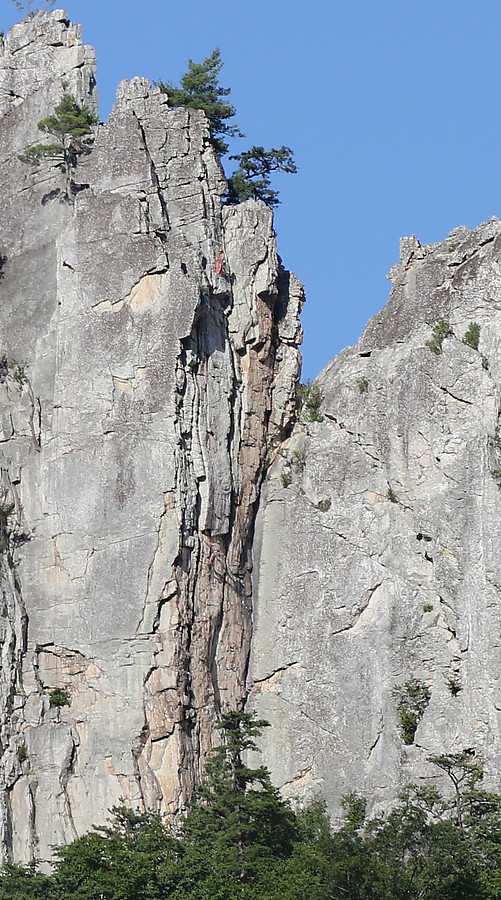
[393, 110]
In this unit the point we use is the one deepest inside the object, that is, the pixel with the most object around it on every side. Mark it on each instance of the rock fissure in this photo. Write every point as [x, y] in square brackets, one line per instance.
[455, 397]
[281, 670]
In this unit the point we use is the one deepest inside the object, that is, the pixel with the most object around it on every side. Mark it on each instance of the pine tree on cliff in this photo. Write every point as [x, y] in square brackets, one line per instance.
[200, 89]
[71, 126]
[252, 178]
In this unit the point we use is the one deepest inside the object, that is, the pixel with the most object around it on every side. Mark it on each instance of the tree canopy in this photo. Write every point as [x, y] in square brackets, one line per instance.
[242, 840]
[252, 178]
[71, 127]
[200, 89]
[238, 818]
[69, 124]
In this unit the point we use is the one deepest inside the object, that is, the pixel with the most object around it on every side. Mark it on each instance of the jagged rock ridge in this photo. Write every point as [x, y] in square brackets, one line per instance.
[141, 396]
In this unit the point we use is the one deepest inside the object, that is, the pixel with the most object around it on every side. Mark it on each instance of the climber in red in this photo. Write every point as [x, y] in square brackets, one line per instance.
[219, 262]
[214, 552]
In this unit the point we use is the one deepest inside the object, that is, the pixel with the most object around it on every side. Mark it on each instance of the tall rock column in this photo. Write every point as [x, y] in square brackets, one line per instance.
[141, 393]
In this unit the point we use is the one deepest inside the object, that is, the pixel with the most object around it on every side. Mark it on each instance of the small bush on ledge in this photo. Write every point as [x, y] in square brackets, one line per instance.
[453, 685]
[472, 336]
[22, 753]
[59, 697]
[412, 699]
[310, 399]
[298, 461]
[440, 332]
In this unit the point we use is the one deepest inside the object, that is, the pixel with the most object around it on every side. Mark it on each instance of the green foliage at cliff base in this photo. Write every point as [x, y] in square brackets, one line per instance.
[242, 840]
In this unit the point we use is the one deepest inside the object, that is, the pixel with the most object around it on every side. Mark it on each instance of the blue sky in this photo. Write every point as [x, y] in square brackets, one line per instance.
[393, 110]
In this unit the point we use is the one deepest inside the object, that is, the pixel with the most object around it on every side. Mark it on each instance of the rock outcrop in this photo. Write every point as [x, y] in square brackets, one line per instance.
[142, 394]
[174, 540]
[378, 564]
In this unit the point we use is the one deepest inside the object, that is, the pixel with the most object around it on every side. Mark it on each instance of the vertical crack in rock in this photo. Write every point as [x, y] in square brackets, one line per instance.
[224, 405]
[13, 615]
[67, 770]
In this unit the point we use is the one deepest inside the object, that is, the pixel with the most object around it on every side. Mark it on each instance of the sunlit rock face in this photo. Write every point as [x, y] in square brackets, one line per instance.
[377, 550]
[142, 396]
[174, 540]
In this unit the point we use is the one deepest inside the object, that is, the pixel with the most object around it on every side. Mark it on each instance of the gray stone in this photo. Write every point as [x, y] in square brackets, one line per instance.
[175, 541]
[356, 594]
[141, 393]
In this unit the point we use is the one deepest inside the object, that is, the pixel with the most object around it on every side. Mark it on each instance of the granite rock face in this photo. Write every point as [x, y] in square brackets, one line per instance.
[142, 394]
[174, 540]
[377, 548]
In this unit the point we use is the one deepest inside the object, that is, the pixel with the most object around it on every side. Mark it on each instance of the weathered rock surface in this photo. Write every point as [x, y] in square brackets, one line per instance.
[141, 396]
[171, 543]
[379, 561]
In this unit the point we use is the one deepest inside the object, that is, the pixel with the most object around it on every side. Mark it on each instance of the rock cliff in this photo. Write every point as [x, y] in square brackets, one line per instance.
[377, 543]
[142, 394]
[174, 539]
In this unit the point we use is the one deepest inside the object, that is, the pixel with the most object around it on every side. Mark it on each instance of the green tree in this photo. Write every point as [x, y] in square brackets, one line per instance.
[252, 178]
[200, 89]
[482, 819]
[354, 811]
[135, 858]
[59, 697]
[412, 699]
[308, 871]
[440, 331]
[310, 399]
[25, 883]
[472, 336]
[414, 854]
[239, 822]
[464, 774]
[237, 845]
[71, 126]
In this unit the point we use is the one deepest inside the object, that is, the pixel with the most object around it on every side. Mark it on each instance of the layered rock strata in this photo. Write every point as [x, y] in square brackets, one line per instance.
[377, 559]
[142, 394]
